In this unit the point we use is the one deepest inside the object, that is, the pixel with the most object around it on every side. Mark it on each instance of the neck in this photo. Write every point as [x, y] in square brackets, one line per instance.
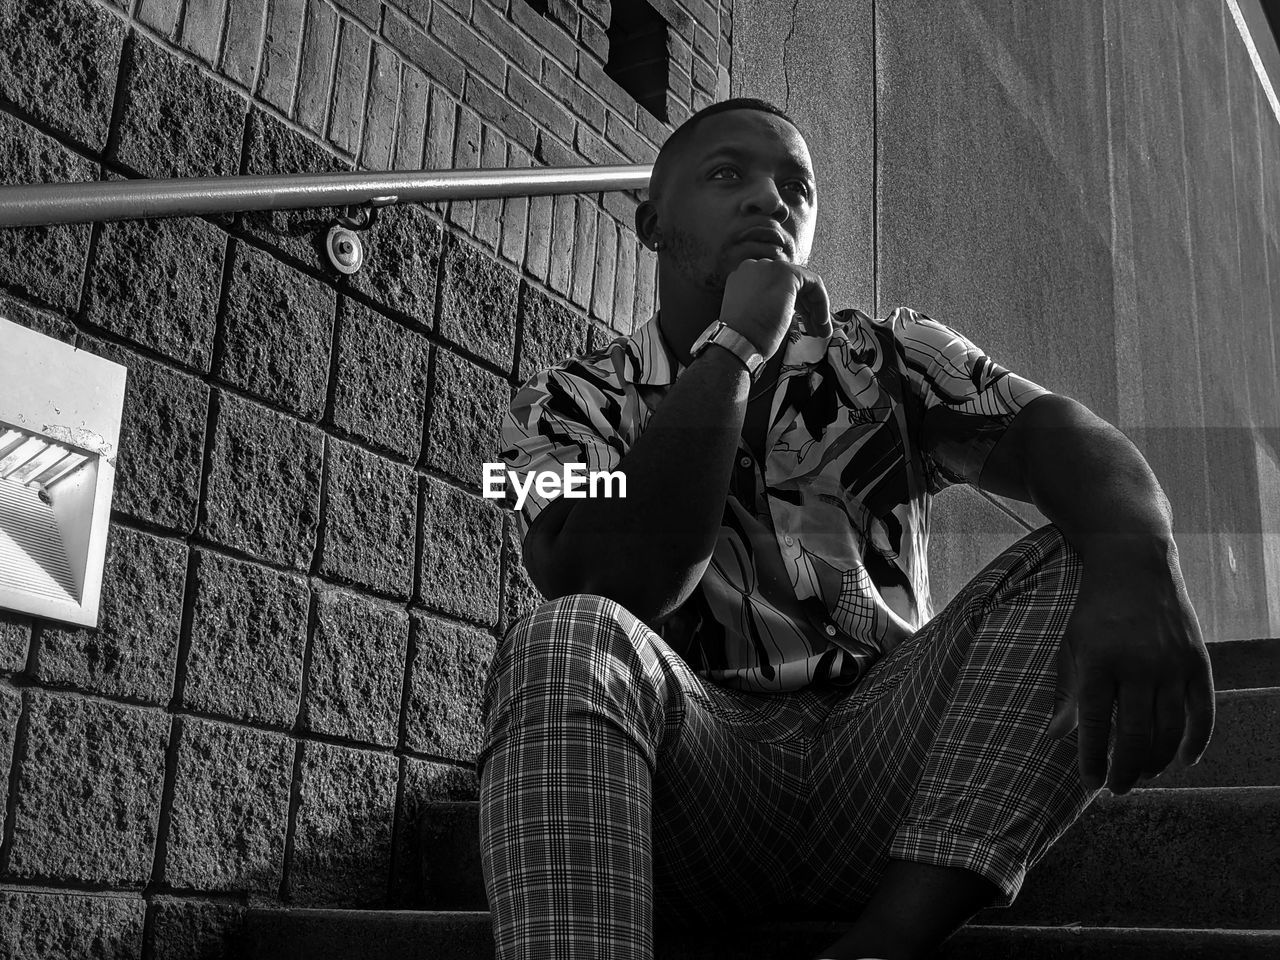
[685, 310]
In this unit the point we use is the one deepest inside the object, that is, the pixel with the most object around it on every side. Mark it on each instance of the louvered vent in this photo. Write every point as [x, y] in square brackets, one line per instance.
[60, 414]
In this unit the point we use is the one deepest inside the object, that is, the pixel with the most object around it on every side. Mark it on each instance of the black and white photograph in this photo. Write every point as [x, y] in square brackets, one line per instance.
[639, 480]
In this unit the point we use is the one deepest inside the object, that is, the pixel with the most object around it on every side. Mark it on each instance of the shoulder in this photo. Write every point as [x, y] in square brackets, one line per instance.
[586, 378]
[852, 322]
[906, 320]
[920, 336]
[911, 328]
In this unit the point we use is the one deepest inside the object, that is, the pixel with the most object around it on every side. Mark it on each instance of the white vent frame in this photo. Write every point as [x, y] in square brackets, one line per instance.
[55, 402]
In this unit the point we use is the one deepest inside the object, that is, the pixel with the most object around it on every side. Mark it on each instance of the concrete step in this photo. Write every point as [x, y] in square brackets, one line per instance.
[1156, 857]
[1161, 858]
[1245, 749]
[298, 934]
[1242, 664]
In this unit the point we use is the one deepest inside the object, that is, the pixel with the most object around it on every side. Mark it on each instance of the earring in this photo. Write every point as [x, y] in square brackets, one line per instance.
[657, 245]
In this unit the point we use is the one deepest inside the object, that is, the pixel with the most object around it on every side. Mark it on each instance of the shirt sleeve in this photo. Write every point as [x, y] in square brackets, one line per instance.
[571, 413]
[979, 398]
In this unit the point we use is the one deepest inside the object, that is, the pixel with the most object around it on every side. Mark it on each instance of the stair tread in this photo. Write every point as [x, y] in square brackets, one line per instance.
[1227, 838]
[1217, 847]
[1245, 663]
[285, 933]
[1262, 792]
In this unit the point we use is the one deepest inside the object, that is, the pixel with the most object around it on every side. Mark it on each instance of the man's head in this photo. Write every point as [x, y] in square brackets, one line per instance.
[734, 181]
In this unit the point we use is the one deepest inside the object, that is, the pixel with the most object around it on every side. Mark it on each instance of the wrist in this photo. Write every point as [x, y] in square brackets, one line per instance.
[725, 361]
[720, 334]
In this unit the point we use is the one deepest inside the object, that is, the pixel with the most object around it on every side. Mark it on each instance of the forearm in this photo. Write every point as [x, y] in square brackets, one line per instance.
[1090, 480]
[648, 550]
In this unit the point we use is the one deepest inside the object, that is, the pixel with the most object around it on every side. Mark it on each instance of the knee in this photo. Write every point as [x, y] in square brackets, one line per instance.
[570, 625]
[575, 641]
[1043, 561]
[1053, 544]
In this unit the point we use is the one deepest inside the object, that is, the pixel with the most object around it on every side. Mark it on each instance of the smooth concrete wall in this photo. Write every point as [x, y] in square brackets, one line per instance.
[817, 62]
[1079, 188]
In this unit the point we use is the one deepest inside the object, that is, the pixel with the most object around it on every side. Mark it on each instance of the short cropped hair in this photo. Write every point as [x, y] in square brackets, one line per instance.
[674, 145]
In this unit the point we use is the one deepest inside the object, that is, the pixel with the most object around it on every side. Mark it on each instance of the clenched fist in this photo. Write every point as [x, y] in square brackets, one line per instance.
[761, 296]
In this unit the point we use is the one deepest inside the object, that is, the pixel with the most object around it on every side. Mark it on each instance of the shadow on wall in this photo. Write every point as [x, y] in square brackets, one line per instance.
[343, 856]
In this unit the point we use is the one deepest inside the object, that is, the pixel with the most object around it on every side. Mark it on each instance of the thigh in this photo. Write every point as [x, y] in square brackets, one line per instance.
[728, 796]
[863, 767]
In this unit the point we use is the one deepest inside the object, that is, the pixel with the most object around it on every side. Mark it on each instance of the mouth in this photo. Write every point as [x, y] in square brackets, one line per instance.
[766, 237]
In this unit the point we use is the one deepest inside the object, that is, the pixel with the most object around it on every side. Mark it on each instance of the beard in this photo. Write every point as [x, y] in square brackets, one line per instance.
[697, 261]
[703, 264]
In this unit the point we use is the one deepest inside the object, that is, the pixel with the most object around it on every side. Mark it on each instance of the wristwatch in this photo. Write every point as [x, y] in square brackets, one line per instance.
[722, 334]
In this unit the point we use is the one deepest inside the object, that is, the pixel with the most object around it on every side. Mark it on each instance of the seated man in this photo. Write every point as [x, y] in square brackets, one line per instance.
[738, 703]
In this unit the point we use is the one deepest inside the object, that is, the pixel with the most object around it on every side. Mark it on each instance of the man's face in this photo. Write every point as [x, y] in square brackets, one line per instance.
[743, 187]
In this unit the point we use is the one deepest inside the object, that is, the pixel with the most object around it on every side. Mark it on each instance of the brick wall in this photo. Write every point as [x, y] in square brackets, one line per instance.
[303, 586]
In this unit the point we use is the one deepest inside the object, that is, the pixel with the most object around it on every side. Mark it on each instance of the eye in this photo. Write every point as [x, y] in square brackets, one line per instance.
[801, 187]
[727, 168]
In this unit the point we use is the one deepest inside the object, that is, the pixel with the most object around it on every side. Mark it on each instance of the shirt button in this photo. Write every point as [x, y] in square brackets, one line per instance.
[831, 631]
[744, 462]
[789, 541]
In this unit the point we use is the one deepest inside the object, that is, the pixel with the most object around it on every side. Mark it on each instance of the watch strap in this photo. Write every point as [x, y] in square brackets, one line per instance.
[722, 335]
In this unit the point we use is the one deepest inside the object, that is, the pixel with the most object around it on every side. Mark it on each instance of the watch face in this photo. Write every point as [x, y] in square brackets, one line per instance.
[705, 338]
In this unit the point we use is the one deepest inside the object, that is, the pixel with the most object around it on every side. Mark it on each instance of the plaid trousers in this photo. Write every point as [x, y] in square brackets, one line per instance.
[617, 787]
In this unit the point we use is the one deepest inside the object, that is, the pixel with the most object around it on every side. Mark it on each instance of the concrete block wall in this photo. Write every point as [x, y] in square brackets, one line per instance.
[303, 585]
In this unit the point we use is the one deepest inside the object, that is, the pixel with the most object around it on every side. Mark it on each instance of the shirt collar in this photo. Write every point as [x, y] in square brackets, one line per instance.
[656, 363]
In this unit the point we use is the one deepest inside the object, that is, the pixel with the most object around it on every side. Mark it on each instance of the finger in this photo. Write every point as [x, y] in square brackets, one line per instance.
[1133, 736]
[1170, 719]
[813, 302]
[1200, 713]
[1095, 695]
[1065, 706]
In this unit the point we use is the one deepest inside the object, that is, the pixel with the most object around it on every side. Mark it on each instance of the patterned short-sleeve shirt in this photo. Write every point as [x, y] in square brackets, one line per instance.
[820, 563]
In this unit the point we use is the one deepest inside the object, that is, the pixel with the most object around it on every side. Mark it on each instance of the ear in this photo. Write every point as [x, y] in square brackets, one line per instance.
[647, 228]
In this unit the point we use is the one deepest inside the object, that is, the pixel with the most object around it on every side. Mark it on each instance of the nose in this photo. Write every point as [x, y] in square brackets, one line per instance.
[763, 197]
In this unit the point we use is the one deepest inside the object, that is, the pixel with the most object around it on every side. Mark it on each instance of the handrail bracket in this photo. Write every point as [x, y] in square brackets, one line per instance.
[342, 244]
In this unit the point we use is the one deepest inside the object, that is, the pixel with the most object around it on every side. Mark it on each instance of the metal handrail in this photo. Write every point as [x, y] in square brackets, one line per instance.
[44, 204]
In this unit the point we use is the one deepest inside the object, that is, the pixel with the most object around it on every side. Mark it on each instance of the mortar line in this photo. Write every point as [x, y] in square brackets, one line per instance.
[111, 142]
[406, 687]
[419, 538]
[220, 51]
[180, 29]
[393, 867]
[163, 821]
[322, 507]
[428, 408]
[189, 598]
[370, 67]
[230, 257]
[329, 414]
[295, 799]
[517, 353]
[295, 787]
[115, 892]
[260, 62]
[19, 758]
[327, 118]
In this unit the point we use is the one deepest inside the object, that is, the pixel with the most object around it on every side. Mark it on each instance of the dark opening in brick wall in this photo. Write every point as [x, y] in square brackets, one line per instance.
[539, 5]
[638, 54]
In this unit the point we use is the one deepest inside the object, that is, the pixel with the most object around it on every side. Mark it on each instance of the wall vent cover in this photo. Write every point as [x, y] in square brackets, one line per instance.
[60, 412]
